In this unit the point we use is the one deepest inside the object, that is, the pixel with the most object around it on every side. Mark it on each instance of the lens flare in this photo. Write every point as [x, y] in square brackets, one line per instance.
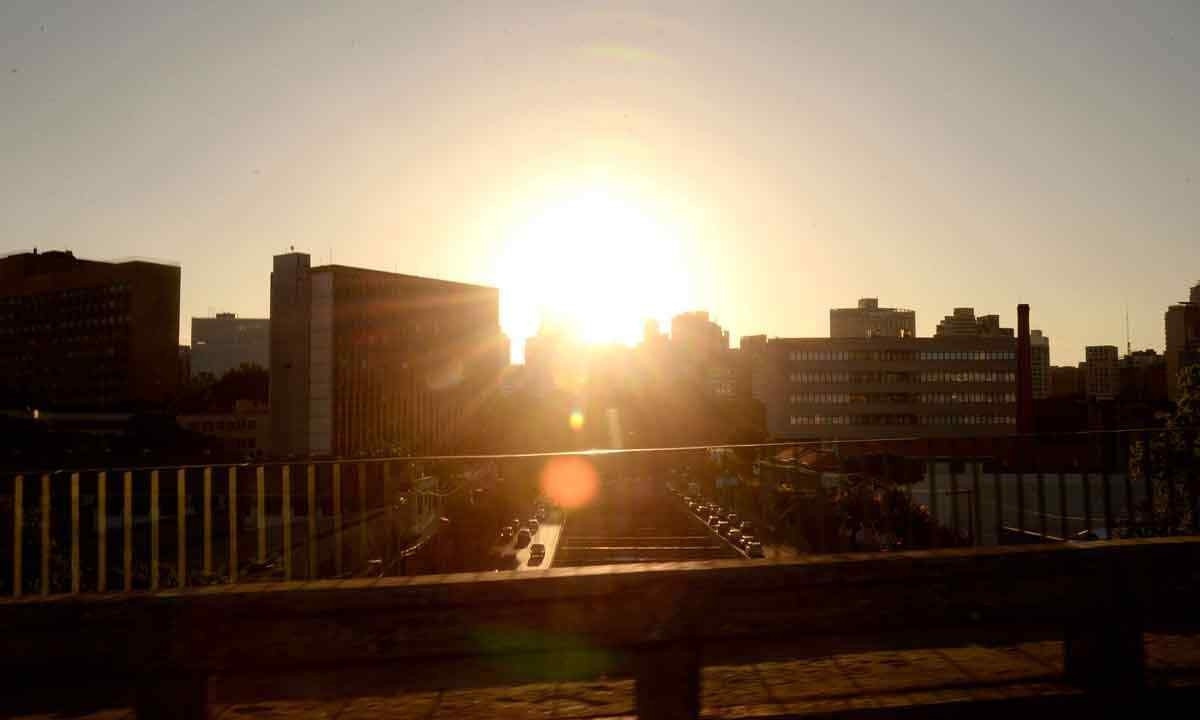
[569, 482]
[576, 420]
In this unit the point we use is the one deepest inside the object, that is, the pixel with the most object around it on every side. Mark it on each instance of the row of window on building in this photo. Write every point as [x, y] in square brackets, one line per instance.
[927, 376]
[842, 355]
[932, 398]
[876, 419]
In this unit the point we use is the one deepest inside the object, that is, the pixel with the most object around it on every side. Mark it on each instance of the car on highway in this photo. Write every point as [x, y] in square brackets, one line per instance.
[747, 527]
[754, 550]
[735, 536]
[523, 537]
[733, 519]
[507, 532]
[537, 553]
[540, 513]
[532, 524]
[744, 541]
[722, 528]
[713, 520]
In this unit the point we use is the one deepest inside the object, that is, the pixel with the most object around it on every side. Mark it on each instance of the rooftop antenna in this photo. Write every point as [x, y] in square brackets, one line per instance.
[1128, 344]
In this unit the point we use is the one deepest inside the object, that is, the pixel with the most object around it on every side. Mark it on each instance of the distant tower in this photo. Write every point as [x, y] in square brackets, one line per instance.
[1024, 372]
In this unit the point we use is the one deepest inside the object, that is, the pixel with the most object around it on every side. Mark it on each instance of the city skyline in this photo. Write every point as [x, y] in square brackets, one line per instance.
[788, 158]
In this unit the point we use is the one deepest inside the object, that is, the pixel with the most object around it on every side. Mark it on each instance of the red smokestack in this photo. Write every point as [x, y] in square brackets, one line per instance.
[1024, 373]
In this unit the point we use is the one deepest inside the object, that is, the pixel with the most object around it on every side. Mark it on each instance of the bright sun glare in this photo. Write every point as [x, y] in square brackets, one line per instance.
[594, 263]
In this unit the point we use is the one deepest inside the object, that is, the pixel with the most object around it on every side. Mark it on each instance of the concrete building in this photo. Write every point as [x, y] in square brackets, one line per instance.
[365, 361]
[87, 335]
[754, 355]
[963, 323]
[1101, 372]
[1039, 353]
[1182, 321]
[1143, 379]
[891, 387]
[870, 320]
[225, 342]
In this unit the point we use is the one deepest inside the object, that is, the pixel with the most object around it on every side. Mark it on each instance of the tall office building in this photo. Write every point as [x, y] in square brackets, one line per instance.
[1182, 322]
[891, 387]
[86, 335]
[366, 361]
[1039, 350]
[225, 342]
[694, 332]
[870, 320]
[963, 323]
[1101, 372]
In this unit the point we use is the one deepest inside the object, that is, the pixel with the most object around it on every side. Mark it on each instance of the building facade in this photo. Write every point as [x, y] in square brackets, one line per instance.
[963, 323]
[1066, 380]
[870, 320]
[226, 342]
[87, 335]
[365, 361]
[1182, 321]
[1101, 372]
[850, 388]
[1039, 354]
[246, 431]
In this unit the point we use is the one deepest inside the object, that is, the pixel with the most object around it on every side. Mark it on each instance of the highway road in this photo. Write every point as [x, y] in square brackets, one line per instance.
[548, 534]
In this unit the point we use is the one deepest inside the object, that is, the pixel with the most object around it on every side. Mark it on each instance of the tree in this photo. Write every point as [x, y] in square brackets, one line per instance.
[1171, 460]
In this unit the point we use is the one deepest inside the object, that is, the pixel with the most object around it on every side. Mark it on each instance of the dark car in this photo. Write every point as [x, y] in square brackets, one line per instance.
[537, 553]
[523, 537]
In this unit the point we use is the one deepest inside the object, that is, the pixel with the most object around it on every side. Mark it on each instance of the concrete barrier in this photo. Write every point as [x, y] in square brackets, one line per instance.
[659, 623]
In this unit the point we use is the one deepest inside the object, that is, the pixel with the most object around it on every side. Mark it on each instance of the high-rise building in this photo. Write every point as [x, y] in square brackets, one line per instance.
[1143, 379]
[225, 342]
[367, 361]
[870, 320]
[1066, 381]
[1039, 352]
[963, 323]
[86, 335]
[1182, 322]
[891, 387]
[1100, 370]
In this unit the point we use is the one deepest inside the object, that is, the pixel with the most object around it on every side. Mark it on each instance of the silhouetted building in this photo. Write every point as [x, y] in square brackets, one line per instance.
[754, 355]
[1142, 388]
[366, 361]
[1100, 370]
[245, 432]
[695, 334]
[184, 372]
[870, 320]
[82, 334]
[1182, 321]
[224, 342]
[1066, 380]
[891, 387]
[963, 323]
[1039, 349]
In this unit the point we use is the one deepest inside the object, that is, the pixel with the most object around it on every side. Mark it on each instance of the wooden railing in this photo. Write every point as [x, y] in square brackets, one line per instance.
[170, 653]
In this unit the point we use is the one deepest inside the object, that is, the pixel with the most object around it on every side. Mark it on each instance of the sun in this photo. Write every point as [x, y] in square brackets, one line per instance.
[595, 262]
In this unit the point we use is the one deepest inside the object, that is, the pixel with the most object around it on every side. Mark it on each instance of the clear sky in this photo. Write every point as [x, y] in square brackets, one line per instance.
[764, 161]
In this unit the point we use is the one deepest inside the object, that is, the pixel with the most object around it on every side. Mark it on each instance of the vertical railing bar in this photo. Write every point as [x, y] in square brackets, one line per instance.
[976, 502]
[935, 536]
[312, 522]
[1109, 520]
[75, 558]
[363, 543]
[1020, 495]
[1064, 526]
[1041, 496]
[337, 518]
[261, 510]
[1148, 478]
[18, 531]
[154, 529]
[233, 525]
[1086, 480]
[998, 491]
[389, 518]
[45, 527]
[101, 531]
[127, 529]
[207, 540]
[181, 527]
[286, 515]
[955, 520]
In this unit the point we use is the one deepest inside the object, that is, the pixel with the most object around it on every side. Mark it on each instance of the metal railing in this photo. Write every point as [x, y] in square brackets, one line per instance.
[151, 528]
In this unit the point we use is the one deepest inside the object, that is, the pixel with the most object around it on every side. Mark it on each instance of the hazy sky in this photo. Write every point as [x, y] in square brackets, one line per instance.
[801, 154]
